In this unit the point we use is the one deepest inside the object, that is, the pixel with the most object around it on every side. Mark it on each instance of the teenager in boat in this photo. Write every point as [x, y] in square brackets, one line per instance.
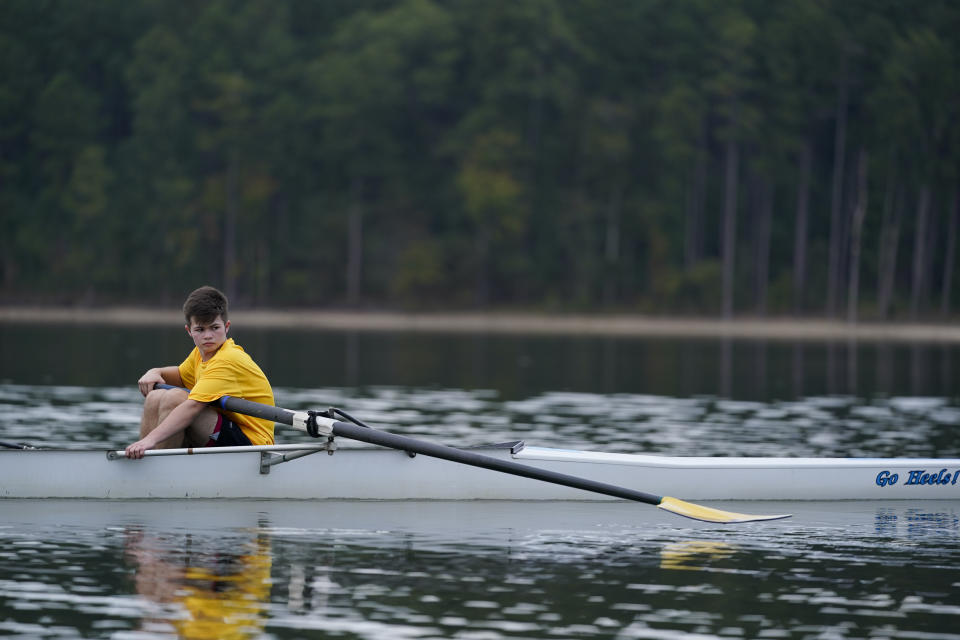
[216, 367]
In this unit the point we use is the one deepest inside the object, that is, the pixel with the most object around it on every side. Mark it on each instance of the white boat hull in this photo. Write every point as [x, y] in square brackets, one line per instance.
[379, 474]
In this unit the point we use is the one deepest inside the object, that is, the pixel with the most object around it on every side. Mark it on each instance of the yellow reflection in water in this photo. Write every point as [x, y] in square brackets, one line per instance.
[693, 555]
[223, 593]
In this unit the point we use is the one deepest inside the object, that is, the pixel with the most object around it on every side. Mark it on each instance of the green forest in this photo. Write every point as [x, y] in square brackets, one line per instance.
[703, 157]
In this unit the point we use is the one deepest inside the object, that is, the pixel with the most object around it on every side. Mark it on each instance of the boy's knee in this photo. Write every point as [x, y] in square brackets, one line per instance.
[166, 399]
[153, 398]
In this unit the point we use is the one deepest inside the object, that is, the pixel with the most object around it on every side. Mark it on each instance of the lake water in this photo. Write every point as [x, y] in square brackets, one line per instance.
[275, 569]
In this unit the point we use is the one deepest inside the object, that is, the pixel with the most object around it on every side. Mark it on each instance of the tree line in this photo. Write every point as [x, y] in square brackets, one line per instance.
[662, 156]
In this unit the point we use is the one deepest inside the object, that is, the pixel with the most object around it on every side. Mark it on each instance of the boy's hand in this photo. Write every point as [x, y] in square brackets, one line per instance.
[136, 450]
[148, 380]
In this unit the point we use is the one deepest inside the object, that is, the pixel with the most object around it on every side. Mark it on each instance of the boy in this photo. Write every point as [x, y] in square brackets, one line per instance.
[215, 368]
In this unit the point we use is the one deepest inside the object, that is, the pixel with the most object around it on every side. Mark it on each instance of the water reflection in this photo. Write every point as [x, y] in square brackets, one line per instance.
[694, 555]
[201, 586]
[917, 522]
[514, 366]
[280, 569]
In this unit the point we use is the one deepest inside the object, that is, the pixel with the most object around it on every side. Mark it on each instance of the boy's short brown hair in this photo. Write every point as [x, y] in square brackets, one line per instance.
[205, 304]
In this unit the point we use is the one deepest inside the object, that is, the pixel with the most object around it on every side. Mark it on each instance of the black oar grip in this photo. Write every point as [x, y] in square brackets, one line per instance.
[257, 410]
[246, 407]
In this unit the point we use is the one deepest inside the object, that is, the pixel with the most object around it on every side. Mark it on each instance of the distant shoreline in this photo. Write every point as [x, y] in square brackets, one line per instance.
[503, 322]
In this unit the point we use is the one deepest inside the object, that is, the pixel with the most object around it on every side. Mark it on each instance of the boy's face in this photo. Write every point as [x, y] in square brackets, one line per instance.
[208, 335]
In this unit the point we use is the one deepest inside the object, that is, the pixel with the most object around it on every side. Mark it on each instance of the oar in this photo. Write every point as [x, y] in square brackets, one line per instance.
[15, 445]
[317, 424]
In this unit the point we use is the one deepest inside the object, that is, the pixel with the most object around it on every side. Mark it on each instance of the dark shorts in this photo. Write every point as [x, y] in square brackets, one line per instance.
[227, 434]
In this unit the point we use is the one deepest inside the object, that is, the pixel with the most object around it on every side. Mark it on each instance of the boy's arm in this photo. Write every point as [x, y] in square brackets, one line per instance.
[178, 420]
[167, 375]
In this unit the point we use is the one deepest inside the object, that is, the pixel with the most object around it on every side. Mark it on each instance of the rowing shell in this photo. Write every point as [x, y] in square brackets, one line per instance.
[309, 471]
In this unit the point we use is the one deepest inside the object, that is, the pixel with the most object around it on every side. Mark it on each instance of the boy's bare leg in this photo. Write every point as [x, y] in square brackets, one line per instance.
[150, 417]
[157, 406]
[198, 433]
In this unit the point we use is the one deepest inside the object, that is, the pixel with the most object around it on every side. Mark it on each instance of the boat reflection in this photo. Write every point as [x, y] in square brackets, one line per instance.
[916, 522]
[202, 587]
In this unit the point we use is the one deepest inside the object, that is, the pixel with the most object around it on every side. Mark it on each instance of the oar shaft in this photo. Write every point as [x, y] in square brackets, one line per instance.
[434, 450]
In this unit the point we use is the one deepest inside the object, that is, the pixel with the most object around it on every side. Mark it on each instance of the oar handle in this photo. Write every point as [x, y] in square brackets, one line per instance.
[246, 407]
[257, 410]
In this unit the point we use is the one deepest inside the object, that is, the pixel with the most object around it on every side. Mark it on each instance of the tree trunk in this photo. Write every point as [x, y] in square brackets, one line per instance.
[9, 270]
[836, 198]
[263, 272]
[856, 230]
[280, 229]
[889, 245]
[800, 229]
[930, 253]
[482, 283]
[230, 226]
[696, 205]
[355, 242]
[612, 247]
[729, 232]
[919, 251]
[586, 265]
[764, 213]
[951, 253]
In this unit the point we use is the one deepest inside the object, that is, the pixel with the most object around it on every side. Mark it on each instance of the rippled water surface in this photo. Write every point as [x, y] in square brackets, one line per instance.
[817, 426]
[480, 570]
[290, 569]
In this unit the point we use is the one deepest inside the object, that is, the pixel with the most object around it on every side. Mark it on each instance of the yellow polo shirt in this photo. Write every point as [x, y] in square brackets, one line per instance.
[230, 372]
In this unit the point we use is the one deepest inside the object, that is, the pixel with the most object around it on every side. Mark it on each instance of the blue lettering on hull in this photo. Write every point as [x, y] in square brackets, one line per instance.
[887, 479]
[919, 477]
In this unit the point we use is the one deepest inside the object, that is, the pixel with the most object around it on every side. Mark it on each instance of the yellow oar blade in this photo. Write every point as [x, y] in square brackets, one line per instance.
[709, 514]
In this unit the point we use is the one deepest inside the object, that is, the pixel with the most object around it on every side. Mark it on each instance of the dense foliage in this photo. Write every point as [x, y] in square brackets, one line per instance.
[691, 156]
